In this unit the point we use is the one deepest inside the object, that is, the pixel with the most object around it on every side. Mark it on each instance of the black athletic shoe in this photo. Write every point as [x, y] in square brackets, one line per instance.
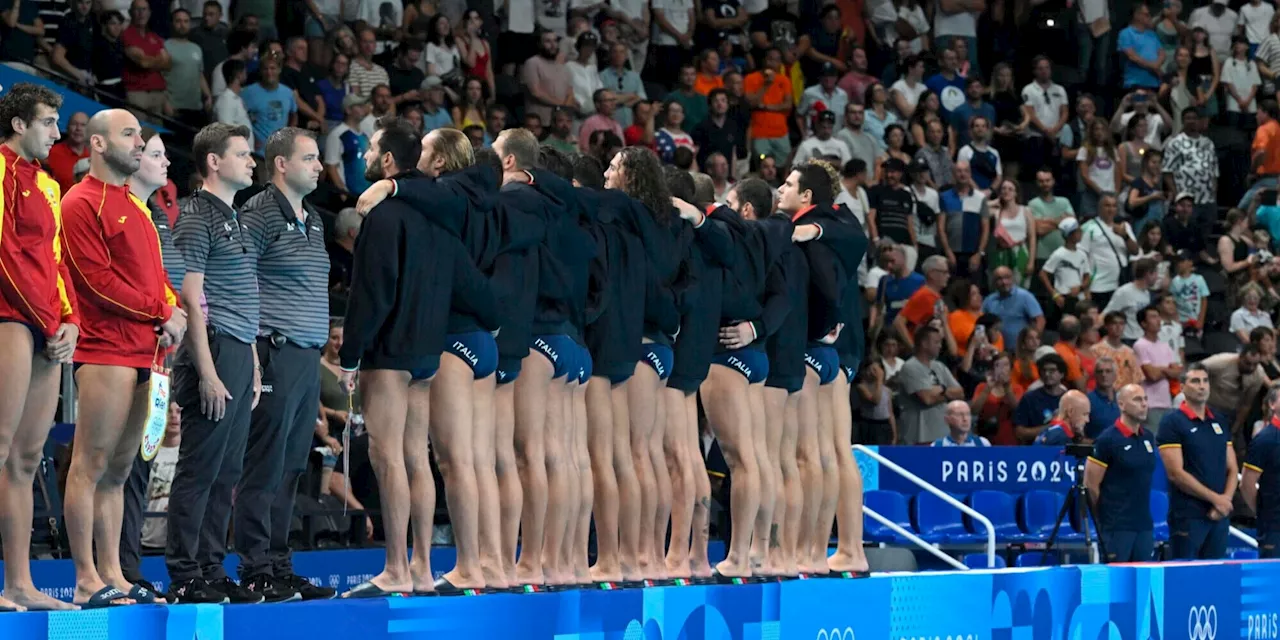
[272, 590]
[304, 587]
[235, 593]
[195, 591]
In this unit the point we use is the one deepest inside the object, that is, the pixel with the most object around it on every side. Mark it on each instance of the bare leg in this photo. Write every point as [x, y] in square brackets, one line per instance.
[628, 486]
[605, 481]
[452, 428]
[766, 408]
[793, 491]
[663, 483]
[849, 555]
[487, 487]
[558, 480]
[386, 400]
[16, 498]
[775, 499]
[675, 441]
[416, 444]
[699, 565]
[531, 460]
[511, 495]
[809, 466]
[110, 498]
[564, 552]
[104, 394]
[830, 479]
[586, 486]
[642, 392]
[729, 414]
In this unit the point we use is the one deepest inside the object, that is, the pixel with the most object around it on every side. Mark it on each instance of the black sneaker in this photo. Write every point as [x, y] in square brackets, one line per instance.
[272, 590]
[307, 590]
[235, 593]
[195, 591]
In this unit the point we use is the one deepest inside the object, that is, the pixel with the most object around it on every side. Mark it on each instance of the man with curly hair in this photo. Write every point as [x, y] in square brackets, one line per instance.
[38, 323]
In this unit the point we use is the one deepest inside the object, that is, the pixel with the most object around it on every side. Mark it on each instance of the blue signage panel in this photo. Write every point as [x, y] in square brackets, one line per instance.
[72, 102]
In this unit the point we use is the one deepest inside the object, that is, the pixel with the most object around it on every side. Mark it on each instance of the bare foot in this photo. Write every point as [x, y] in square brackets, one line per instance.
[460, 581]
[840, 561]
[630, 573]
[731, 570]
[700, 568]
[126, 586]
[581, 575]
[529, 575]
[602, 574]
[677, 568]
[494, 578]
[33, 600]
[9, 605]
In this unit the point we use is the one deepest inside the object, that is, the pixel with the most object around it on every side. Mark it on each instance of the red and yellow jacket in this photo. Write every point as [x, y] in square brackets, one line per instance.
[33, 278]
[116, 267]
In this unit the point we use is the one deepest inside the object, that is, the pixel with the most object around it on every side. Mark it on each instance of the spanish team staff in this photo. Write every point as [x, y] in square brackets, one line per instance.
[217, 376]
[1118, 477]
[741, 364]
[1260, 484]
[395, 329]
[152, 174]
[1068, 423]
[1195, 446]
[130, 318]
[293, 280]
[709, 255]
[38, 322]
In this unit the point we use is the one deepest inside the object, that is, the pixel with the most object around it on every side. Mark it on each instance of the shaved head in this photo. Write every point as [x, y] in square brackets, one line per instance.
[1133, 403]
[1074, 410]
[115, 142]
[107, 120]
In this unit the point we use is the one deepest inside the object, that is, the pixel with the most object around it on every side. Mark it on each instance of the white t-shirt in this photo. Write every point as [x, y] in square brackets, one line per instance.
[1256, 21]
[915, 17]
[926, 235]
[444, 59]
[229, 109]
[1092, 10]
[1220, 29]
[586, 80]
[1102, 171]
[1106, 263]
[676, 13]
[1067, 268]
[1129, 300]
[382, 14]
[1047, 102]
[219, 84]
[963, 24]
[857, 204]
[1155, 128]
[1243, 76]
[519, 15]
[910, 93]
[814, 148]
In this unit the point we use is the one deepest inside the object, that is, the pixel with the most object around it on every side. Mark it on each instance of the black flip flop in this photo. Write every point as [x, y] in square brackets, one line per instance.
[107, 596]
[366, 590]
[846, 575]
[621, 584]
[717, 578]
[446, 588]
[143, 595]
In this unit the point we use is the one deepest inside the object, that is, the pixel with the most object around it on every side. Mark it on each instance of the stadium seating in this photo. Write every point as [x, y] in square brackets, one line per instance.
[1036, 559]
[1160, 515]
[939, 522]
[1244, 554]
[979, 561]
[998, 507]
[891, 505]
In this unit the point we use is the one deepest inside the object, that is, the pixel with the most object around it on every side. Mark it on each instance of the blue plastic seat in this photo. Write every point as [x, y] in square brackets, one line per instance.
[1039, 509]
[891, 505]
[939, 522]
[1160, 515]
[1036, 559]
[979, 561]
[998, 507]
[1244, 554]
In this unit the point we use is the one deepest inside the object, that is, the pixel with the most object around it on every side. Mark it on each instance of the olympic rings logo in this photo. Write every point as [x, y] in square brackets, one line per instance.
[1202, 623]
[836, 634]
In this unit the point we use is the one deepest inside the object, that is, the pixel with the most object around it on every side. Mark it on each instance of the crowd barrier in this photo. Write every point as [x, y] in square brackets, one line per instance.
[965, 470]
[1193, 601]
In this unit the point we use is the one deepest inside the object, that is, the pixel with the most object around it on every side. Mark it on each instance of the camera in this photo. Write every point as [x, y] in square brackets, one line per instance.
[1079, 450]
[1264, 256]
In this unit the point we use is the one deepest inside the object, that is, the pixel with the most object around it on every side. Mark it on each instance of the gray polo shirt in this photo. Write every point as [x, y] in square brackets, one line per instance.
[293, 268]
[213, 242]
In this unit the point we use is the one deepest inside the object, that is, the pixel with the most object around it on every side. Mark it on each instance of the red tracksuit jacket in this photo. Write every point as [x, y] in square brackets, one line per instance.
[114, 255]
[34, 282]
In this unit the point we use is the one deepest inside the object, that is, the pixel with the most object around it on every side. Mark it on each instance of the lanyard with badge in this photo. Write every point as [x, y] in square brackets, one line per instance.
[157, 402]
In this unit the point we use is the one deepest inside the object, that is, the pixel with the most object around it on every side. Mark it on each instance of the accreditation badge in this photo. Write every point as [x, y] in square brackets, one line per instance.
[157, 408]
[1148, 443]
[1217, 429]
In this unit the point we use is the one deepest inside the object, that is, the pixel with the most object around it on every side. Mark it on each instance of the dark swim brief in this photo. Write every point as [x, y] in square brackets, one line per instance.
[144, 374]
[476, 348]
[660, 357]
[560, 349]
[38, 340]
[824, 361]
[584, 364]
[753, 364]
[509, 369]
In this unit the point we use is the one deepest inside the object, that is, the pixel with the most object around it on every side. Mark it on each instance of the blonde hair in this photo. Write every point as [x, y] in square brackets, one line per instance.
[454, 147]
[832, 172]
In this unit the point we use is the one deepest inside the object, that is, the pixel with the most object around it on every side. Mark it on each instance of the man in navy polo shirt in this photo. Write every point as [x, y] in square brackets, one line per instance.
[1260, 485]
[1118, 477]
[1195, 446]
[1068, 425]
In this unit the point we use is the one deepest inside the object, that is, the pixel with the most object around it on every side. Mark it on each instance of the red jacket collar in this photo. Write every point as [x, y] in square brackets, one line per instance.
[1058, 422]
[11, 157]
[1275, 422]
[1125, 430]
[800, 214]
[1186, 410]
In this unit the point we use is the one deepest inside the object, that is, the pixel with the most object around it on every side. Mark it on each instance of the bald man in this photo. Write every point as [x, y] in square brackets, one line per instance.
[959, 419]
[1068, 425]
[130, 318]
[1118, 477]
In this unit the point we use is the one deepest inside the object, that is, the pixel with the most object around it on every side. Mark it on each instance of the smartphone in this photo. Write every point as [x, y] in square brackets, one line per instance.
[1139, 98]
[980, 331]
[1269, 198]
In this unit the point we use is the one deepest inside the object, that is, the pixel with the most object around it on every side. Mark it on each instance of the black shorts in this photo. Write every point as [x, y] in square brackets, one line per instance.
[37, 335]
[144, 374]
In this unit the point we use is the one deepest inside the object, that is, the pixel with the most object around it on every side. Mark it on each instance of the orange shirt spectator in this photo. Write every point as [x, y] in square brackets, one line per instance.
[1024, 374]
[1267, 143]
[1071, 355]
[920, 308]
[61, 163]
[768, 124]
[962, 323]
[995, 419]
[1127, 370]
[705, 83]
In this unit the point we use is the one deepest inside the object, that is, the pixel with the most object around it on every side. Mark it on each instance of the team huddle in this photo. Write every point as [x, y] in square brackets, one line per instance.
[546, 327]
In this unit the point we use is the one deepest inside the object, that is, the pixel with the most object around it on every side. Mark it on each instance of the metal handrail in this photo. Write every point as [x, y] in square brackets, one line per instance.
[915, 539]
[1243, 537]
[944, 496]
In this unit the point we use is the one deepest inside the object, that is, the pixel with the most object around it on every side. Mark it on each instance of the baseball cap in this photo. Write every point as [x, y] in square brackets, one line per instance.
[828, 69]
[588, 38]
[1044, 350]
[919, 165]
[351, 100]
[1183, 195]
[1068, 225]
[827, 116]
[894, 164]
[432, 82]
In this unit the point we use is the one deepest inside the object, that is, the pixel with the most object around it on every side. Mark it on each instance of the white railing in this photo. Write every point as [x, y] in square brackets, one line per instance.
[942, 495]
[1243, 537]
[914, 539]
